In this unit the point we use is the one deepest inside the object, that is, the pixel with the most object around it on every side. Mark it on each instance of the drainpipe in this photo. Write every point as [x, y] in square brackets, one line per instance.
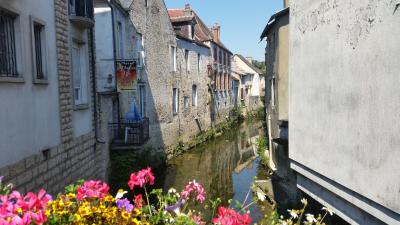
[271, 162]
[114, 50]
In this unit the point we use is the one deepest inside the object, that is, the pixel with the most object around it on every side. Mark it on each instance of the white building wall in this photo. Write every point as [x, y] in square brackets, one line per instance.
[29, 113]
[344, 101]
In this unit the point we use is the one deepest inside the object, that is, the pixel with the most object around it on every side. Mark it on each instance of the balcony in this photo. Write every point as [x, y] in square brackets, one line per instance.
[129, 133]
[81, 13]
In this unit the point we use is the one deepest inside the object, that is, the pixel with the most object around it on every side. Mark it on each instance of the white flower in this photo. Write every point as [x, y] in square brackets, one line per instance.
[328, 210]
[310, 218]
[260, 196]
[304, 201]
[293, 213]
[172, 190]
[120, 194]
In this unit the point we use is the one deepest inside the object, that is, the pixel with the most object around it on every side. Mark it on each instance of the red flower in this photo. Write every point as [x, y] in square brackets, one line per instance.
[141, 178]
[228, 216]
[139, 202]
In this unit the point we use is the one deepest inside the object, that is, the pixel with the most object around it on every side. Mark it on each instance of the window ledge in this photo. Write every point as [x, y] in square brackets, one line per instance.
[12, 79]
[41, 81]
[81, 107]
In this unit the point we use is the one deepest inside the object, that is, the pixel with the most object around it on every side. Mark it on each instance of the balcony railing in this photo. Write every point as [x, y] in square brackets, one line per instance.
[81, 13]
[130, 133]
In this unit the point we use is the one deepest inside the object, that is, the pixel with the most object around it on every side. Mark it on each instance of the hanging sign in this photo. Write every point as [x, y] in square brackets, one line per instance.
[126, 75]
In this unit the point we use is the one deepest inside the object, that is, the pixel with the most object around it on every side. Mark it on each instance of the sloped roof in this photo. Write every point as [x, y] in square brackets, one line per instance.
[202, 32]
[272, 20]
[249, 64]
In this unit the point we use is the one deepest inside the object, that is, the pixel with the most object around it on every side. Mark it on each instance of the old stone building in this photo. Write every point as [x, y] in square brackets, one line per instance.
[48, 129]
[189, 61]
[344, 108]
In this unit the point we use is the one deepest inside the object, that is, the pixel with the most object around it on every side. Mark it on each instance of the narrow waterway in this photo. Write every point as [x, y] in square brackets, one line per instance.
[225, 166]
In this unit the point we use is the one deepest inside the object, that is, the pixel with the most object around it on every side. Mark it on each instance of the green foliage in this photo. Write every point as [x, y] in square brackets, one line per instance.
[73, 187]
[262, 146]
[260, 65]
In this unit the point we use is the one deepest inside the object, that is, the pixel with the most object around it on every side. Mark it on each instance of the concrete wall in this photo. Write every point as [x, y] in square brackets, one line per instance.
[29, 116]
[344, 102]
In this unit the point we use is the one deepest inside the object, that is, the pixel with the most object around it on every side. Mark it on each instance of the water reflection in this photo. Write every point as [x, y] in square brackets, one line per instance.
[225, 167]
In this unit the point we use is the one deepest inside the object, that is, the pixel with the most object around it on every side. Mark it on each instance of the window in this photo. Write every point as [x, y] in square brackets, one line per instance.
[8, 53]
[187, 61]
[220, 57]
[175, 100]
[79, 73]
[198, 62]
[215, 54]
[142, 100]
[146, 3]
[194, 95]
[173, 58]
[273, 92]
[120, 41]
[39, 51]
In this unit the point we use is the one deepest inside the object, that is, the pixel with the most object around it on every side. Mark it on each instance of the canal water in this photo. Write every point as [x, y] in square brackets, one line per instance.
[225, 166]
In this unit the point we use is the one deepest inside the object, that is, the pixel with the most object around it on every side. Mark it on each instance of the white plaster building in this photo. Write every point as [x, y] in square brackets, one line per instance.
[251, 82]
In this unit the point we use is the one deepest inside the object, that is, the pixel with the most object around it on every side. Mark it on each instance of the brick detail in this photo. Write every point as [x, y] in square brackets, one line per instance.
[64, 71]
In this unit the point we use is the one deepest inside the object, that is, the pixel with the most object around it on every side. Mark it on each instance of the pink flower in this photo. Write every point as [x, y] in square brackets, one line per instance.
[196, 189]
[92, 189]
[141, 178]
[228, 216]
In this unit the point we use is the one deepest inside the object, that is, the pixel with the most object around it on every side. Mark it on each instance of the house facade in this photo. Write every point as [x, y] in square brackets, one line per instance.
[189, 61]
[49, 125]
[343, 101]
[251, 83]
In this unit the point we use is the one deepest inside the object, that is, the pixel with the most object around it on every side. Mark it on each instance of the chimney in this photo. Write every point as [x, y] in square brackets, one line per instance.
[216, 32]
[249, 59]
[286, 3]
[188, 10]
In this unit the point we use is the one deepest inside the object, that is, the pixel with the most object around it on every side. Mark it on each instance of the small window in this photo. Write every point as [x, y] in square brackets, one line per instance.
[198, 62]
[146, 4]
[80, 73]
[8, 53]
[187, 62]
[194, 95]
[215, 54]
[173, 58]
[273, 92]
[175, 100]
[120, 39]
[39, 51]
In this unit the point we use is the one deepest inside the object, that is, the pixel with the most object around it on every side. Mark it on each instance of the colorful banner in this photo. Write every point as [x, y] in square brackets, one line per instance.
[126, 75]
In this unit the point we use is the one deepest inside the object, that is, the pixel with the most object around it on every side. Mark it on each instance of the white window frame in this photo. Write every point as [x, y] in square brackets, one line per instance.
[172, 55]
[43, 45]
[81, 99]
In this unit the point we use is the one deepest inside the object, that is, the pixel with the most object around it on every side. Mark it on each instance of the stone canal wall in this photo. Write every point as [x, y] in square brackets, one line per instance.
[57, 167]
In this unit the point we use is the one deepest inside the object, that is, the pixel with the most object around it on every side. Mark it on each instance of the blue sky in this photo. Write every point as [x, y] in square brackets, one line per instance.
[241, 21]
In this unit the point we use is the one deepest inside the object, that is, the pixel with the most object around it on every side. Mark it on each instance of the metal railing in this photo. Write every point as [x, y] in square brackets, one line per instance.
[81, 8]
[133, 133]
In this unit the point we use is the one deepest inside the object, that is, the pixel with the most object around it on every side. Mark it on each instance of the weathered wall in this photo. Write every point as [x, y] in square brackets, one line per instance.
[29, 115]
[192, 119]
[344, 100]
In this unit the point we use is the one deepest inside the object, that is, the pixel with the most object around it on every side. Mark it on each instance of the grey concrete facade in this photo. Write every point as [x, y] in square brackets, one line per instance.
[343, 101]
